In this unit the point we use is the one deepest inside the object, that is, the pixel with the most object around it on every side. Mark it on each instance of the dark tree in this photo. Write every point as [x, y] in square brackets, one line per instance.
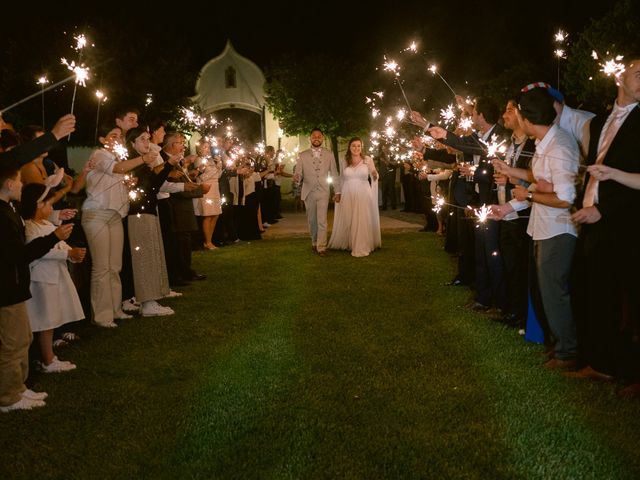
[617, 33]
[319, 91]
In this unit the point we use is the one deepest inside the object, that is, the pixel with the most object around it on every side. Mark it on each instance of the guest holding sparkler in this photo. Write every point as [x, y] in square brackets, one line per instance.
[184, 219]
[515, 244]
[26, 152]
[488, 266]
[103, 212]
[609, 236]
[15, 332]
[554, 165]
[145, 239]
[208, 207]
[54, 299]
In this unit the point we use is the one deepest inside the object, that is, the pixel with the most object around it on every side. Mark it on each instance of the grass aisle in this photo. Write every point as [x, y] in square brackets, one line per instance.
[308, 367]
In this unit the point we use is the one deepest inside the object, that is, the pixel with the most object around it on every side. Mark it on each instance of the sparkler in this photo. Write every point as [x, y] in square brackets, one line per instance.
[392, 66]
[81, 72]
[42, 81]
[560, 38]
[433, 68]
[438, 204]
[494, 147]
[613, 67]
[148, 100]
[448, 115]
[413, 47]
[481, 213]
[33, 95]
[122, 153]
[101, 98]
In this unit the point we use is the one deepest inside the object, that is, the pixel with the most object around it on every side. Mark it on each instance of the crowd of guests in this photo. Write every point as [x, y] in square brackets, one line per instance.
[559, 234]
[146, 205]
[561, 225]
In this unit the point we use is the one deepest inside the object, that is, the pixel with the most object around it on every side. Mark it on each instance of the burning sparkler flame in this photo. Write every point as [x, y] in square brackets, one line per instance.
[560, 36]
[81, 72]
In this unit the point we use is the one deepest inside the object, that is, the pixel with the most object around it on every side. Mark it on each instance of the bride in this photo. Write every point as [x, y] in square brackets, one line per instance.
[356, 225]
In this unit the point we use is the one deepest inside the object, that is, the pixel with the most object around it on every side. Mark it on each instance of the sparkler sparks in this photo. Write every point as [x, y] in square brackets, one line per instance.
[81, 42]
[612, 67]
[392, 66]
[413, 47]
[494, 147]
[121, 152]
[560, 36]
[482, 213]
[448, 115]
[81, 72]
[438, 204]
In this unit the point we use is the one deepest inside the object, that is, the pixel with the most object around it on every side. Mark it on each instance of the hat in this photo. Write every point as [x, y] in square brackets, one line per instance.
[555, 94]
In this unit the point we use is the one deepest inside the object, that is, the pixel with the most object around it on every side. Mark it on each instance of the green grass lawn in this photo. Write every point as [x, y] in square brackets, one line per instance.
[287, 365]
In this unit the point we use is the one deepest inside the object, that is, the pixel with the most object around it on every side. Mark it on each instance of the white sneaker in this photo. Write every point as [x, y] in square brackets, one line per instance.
[57, 366]
[23, 404]
[154, 309]
[172, 294]
[122, 316]
[31, 395]
[130, 305]
[106, 325]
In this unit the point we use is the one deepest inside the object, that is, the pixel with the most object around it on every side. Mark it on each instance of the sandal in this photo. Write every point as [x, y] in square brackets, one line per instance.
[70, 337]
[59, 343]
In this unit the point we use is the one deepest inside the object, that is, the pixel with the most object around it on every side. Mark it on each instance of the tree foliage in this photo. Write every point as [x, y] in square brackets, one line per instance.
[319, 92]
[617, 33]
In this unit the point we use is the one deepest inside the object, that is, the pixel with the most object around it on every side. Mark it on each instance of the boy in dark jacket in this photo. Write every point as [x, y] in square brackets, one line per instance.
[15, 256]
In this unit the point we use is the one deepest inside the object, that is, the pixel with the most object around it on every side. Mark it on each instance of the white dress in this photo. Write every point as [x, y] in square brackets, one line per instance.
[209, 204]
[54, 300]
[356, 223]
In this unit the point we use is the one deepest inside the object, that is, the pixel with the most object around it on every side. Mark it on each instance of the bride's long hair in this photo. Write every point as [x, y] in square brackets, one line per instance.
[347, 156]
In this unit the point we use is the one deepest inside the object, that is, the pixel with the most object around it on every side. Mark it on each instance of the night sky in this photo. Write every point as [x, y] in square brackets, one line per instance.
[470, 41]
[492, 33]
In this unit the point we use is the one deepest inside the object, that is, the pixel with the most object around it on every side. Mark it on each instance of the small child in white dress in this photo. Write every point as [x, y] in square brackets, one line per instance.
[54, 300]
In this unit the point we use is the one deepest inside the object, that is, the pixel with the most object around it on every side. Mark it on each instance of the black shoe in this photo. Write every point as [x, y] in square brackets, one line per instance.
[510, 320]
[198, 276]
[479, 307]
[456, 282]
[178, 282]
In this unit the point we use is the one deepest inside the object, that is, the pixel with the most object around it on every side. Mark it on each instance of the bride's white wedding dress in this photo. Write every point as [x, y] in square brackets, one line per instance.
[356, 223]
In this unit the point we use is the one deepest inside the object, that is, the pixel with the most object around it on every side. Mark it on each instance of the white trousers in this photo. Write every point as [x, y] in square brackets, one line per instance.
[105, 237]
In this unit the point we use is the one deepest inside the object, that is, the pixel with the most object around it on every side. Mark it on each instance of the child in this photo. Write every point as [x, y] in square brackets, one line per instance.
[15, 256]
[54, 299]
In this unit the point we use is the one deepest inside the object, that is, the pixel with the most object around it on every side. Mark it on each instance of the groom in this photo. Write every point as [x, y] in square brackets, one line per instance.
[316, 169]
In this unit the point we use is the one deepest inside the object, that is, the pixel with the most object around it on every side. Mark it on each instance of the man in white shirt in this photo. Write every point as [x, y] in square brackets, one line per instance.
[554, 168]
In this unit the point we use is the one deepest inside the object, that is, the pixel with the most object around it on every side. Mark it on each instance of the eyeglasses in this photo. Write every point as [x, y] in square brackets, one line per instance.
[178, 143]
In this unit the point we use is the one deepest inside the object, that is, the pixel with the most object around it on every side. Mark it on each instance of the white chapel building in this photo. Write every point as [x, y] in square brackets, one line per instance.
[231, 85]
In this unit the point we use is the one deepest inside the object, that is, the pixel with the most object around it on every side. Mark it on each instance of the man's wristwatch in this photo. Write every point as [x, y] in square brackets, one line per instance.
[530, 196]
